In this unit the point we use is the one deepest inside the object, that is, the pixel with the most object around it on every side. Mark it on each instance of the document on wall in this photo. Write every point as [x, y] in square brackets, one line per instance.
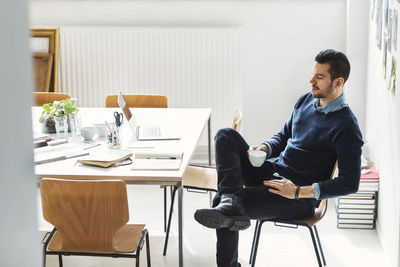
[157, 160]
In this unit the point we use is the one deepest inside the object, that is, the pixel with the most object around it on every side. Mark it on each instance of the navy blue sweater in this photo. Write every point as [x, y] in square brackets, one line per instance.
[311, 142]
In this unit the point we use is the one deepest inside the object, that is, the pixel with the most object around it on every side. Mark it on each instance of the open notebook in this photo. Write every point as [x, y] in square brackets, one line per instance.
[106, 158]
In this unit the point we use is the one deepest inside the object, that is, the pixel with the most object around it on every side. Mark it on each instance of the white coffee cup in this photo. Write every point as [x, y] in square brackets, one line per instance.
[257, 157]
[101, 129]
[87, 133]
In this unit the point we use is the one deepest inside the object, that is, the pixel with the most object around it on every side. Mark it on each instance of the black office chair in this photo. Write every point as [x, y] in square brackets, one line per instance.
[310, 223]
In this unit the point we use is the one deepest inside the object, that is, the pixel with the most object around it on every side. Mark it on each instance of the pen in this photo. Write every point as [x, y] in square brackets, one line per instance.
[91, 146]
[140, 146]
[108, 126]
[163, 158]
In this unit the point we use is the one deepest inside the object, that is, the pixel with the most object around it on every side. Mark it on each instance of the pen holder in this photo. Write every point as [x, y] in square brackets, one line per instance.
[114, 138]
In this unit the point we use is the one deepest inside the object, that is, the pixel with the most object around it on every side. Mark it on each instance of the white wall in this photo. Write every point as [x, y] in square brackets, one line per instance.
[279, 42]
[19, 242]
[357, 51]
[281, 39]
[382, 134]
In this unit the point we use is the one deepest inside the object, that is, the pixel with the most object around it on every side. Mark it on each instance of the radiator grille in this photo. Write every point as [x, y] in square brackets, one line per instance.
[193, 67]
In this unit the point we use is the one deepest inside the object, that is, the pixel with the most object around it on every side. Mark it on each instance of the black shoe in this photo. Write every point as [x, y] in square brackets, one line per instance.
[229, 213]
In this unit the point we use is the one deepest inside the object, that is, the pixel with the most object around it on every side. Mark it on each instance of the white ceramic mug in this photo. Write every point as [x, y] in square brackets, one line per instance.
[257, 157]
[101, 129]
[87, 133]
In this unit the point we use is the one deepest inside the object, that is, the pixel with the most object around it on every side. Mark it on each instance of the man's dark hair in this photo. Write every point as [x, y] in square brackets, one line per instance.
[339, 65]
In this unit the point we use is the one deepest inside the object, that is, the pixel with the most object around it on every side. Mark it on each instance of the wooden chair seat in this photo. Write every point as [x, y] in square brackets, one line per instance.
[200, 178]
[318, 215]
[126, 240]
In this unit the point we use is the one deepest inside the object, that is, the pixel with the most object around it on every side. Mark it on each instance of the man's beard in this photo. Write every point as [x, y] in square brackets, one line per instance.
[324, 94]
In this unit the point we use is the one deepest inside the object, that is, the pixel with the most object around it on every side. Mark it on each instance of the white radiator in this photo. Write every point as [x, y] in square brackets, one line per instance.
[193, 67]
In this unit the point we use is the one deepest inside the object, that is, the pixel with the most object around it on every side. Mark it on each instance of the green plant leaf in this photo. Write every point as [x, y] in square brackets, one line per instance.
[66, 106]
[69, 110]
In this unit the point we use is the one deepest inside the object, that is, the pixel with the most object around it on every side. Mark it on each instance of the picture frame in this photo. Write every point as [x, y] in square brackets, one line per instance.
[53, 35]
[42, 66]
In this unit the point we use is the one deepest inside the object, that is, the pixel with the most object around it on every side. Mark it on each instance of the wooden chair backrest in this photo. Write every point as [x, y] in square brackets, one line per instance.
[237, 120]
[41, 98]
[138, 101]
[86, 214]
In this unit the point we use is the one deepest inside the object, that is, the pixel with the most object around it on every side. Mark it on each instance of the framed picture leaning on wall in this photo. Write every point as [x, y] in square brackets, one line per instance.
[52, 37]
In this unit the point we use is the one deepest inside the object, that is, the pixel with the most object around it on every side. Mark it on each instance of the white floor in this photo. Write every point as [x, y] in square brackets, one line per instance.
[278, 246]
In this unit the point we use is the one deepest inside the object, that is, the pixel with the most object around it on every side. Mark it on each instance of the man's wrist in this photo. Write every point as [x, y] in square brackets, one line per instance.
[306, 192]
[267, 149]
[296, 193]
[264, 148]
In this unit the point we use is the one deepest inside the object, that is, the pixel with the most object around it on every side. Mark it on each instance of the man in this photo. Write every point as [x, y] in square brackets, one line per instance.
[321, 130]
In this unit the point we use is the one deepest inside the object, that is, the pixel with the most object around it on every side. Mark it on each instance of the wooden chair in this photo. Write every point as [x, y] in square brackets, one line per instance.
[199, 179]
[90, 219]
[310, 223]
[138, 101]
[41, 98]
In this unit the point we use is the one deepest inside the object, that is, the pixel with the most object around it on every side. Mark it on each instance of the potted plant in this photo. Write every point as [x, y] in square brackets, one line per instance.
[50, 110]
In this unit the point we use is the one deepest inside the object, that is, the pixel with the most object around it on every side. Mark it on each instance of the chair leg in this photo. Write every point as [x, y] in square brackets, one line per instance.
[44, 255]
[137, 257]
[315, 245]
[165, 209]
[169, 220]
[253, 262]
[254, 240]
[319, 245]
[60, 262]
[148, 249]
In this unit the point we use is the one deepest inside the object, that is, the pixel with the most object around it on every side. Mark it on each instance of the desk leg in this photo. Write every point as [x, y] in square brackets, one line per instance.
[180, 225]
[209, 141]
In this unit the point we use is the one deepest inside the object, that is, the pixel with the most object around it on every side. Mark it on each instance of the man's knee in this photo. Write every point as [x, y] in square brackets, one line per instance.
[225, 134]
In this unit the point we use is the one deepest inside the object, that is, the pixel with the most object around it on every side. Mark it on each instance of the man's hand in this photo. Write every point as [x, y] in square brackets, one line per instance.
[260, 147]
[283, 187]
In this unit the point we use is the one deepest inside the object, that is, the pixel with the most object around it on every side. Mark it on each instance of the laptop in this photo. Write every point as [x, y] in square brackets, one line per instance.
[144, 132]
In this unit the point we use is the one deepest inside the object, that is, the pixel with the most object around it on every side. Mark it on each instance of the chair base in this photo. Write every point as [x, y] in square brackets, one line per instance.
[282, 223]
[145, 235]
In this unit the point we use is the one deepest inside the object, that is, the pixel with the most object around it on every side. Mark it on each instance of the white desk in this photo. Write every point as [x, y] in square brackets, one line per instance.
[189, 123]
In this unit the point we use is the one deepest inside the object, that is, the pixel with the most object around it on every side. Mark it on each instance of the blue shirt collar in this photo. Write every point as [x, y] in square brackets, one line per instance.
[335, 105]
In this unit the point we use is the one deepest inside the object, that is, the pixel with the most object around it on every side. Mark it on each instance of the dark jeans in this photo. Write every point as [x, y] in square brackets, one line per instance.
[237, 176]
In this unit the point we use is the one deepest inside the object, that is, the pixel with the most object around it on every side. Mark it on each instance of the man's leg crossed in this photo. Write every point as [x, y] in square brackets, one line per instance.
[234, 170]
